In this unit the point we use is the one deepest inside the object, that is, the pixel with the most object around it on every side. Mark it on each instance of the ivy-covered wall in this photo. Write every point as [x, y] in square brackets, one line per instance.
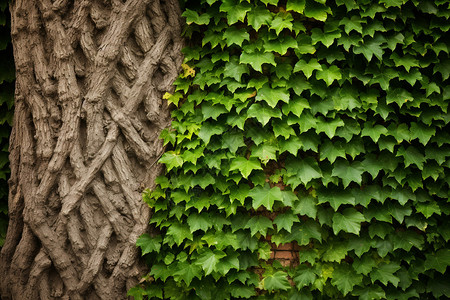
[322, 124]
[318, 124]
[6, 111]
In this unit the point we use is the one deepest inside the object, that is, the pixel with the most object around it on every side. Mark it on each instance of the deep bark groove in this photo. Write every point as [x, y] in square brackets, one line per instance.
[90, 79]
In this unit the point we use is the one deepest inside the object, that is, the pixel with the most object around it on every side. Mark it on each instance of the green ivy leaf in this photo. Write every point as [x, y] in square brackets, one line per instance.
[296, 5]
[282, 20]
[199, 222]
[316, 11]
[370, 48]
[235, 11]
[303, 233]
[193, 17]
[411, 156]
[307, 68]
[428, 208]
[326, 38]
[245, 166]
[280, 45]
[263, 112]
[285, 220]
[329, 75]
[304, 169]
[345, 278]
[438, 261]
[304, 276]
[187, 272]
[179, 232]
[348, 172]
[272, 95]
[265, 152]
[259, 224]
[265, 196]
[209, 259]
[407, 239]
[336, 197]
[149, 244]
[257, 59]
[235, 36]
[276, 281]
[208, 130]
[349, 221]
[384, 272]
[258, 17]
[171, 160]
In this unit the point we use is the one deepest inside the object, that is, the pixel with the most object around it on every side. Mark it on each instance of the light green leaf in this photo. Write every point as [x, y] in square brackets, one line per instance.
[257, 59]
[258, 17]
[179, 232]
[422, 132]
[352, 24]
[236, 36]
[187, 272]
[369, 49]
[208, 130]
[374, 132]
[347, 172]
[296, 5]
[198, 221]
[306, 206]
[245, 166]
[193, 17]
[208, 260]
[235, 11]
[349, 221]
[259, 224]
[272, 95]
[326, 38]
[285, 220]
[263, 112]
[307, 68]
[328, 127]
[149, 244]
[283, 20]
[428, 208]
[265, 152]
[407, 239]
[329, 75]
[303, 233]
[304, 276]
[276, 281]
[336, 197]
[171, 160]
[235, 70]
[304, 169]
[265, 196]
[317, 11]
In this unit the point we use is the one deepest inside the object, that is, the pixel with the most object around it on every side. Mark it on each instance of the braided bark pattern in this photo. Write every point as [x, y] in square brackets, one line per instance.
[90, 80]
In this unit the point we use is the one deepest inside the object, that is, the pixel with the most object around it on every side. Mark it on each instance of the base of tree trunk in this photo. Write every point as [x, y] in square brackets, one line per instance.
[89, 110]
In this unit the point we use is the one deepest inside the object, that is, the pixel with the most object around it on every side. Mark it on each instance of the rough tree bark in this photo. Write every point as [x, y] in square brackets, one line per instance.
[90, 80]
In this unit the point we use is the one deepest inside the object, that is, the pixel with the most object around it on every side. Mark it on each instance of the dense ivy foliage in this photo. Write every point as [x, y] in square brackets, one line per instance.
[319, 123]
[6, 113]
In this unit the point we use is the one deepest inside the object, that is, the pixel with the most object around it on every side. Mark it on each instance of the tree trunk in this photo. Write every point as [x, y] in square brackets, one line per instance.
[90, 80]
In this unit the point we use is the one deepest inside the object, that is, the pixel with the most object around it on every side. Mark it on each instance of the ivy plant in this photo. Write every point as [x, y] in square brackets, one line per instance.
[320, 124]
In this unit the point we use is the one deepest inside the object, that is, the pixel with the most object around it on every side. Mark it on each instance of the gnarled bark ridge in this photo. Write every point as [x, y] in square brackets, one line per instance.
[90, 80]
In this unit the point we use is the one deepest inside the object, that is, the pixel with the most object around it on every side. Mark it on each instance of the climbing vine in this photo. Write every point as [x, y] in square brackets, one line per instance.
[322, 125]
[6, 112]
